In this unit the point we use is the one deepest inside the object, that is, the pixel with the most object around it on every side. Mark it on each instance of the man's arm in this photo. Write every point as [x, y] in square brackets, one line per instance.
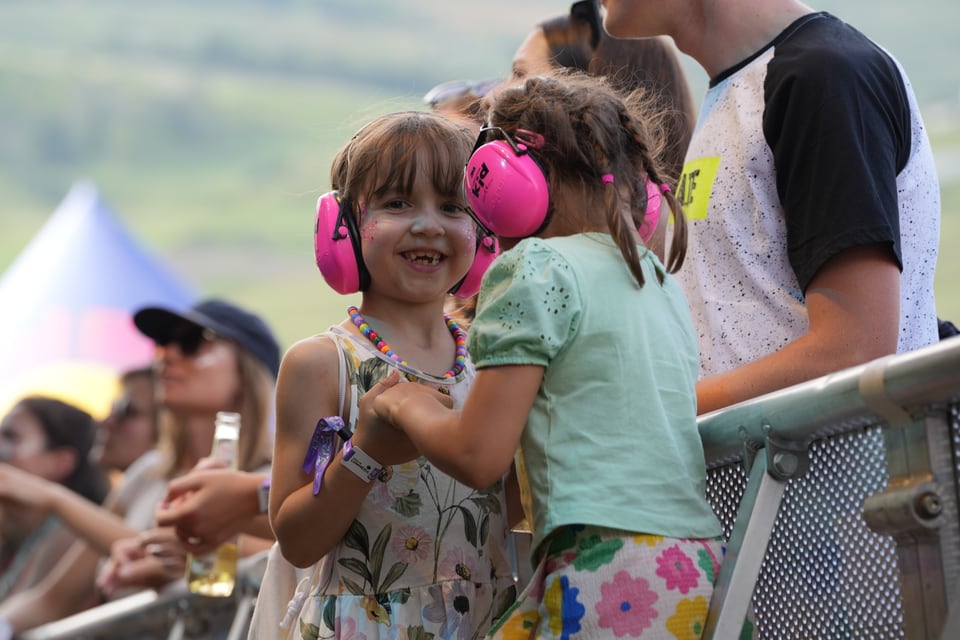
[853, 304]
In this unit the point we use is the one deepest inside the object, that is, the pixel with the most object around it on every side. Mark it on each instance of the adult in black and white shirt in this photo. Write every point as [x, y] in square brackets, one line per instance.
[810, 190]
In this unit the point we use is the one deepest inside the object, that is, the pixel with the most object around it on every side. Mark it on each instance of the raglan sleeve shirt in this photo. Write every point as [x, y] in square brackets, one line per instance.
[839, 138]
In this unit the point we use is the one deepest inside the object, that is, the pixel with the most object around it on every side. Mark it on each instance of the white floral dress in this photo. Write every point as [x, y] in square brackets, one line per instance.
[426, 557]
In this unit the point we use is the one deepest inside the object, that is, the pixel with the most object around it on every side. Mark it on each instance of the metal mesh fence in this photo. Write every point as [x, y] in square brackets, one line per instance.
[826, 574]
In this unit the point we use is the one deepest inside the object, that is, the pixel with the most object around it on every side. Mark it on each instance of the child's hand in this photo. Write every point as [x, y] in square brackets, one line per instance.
[377, 436]
[398, 405]
[367, 416]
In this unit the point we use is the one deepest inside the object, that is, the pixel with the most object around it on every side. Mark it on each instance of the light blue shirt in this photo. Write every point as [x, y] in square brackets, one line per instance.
[612, 437]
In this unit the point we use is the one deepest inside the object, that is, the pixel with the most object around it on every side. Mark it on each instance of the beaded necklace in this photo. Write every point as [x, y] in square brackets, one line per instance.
[459, 338]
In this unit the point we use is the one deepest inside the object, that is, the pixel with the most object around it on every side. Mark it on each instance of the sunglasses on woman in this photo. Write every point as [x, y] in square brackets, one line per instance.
[188, 338]
[124, 409]
[459, 90]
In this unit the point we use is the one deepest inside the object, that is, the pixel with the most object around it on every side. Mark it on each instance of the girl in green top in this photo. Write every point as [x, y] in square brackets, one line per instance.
[586, 366]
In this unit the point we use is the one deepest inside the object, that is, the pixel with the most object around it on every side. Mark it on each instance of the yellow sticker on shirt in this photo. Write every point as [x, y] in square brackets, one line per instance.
[696, 185]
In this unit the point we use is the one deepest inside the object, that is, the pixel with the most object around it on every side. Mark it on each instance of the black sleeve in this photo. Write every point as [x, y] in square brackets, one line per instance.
[837, 119]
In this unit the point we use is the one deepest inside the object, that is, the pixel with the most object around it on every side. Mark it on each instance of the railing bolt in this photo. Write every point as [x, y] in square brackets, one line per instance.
[928, 505]
[785, 463]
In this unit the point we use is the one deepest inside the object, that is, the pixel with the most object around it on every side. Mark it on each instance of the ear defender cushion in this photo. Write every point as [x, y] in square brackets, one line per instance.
[487, 251]
[507, 191]
[336, 244]
[652, 214]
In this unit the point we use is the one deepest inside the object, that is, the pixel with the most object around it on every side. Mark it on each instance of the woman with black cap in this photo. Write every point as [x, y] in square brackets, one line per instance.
[211, 357]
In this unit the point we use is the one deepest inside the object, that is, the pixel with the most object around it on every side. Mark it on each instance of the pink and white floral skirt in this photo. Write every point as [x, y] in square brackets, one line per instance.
[602, 583]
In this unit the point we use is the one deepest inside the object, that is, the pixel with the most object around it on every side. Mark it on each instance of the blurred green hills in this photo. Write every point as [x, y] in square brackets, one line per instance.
[209, 126]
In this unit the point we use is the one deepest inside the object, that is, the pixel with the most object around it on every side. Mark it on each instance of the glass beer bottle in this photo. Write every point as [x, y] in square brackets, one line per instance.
[215, 573]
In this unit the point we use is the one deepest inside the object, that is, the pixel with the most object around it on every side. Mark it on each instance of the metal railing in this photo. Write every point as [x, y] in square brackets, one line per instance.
[838, 499]
[839, 503]
[174, 614]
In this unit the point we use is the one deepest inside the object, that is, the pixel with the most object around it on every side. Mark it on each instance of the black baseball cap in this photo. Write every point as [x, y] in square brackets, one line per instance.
[223, 318]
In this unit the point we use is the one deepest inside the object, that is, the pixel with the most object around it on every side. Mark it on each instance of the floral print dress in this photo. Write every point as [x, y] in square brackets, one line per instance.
[426, 557]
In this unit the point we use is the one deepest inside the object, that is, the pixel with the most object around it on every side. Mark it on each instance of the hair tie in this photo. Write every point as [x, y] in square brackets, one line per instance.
[665, 188]
[607, 178]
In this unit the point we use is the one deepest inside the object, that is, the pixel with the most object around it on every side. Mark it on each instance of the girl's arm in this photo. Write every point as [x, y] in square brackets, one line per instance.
[476, 444]
[307, 526]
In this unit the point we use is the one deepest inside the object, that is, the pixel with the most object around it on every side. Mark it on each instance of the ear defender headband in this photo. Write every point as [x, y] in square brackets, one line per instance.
[336, 245]
[506, 188]
[487, 251]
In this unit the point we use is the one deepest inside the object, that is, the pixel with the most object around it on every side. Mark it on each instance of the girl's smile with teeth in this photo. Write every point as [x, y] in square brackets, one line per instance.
[423, 257]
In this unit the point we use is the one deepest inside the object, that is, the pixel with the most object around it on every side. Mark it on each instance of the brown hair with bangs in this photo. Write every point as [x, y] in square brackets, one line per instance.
[387, 154]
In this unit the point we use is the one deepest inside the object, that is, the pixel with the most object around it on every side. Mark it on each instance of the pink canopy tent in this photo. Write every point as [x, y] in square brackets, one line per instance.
[66, 329]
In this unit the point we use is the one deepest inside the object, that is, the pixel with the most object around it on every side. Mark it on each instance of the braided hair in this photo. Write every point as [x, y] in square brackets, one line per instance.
[593, 131]
[577, 40]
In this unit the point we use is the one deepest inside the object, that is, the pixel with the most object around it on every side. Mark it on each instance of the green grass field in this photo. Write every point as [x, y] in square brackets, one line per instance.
[213, 145]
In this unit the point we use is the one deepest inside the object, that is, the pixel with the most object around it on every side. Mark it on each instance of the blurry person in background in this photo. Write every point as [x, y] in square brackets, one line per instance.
[126, 445]
[130, 430]
[46, 440]
[814, 222]
[212, 357]
[576, 40]
[461, 101]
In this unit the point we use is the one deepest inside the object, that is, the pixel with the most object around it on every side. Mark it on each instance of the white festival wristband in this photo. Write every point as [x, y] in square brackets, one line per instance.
[361, 464]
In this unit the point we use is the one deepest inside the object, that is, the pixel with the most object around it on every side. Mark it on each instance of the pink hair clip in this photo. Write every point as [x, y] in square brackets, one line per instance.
[532, 139]
[607, 178]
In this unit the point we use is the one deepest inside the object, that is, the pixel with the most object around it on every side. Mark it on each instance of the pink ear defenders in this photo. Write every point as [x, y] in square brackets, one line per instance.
[336, 245]
[487, 251]
[652, 214]
[506, 188]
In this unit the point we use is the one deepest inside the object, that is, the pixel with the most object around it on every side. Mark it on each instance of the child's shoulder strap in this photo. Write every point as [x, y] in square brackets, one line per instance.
[343, 390]
[342, 383]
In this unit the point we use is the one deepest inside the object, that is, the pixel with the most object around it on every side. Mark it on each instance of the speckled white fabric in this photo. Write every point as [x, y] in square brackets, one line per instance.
[778, 109]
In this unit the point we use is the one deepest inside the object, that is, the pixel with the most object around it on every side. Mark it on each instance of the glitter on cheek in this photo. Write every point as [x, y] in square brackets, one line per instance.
[468, 229]
[368, 232]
